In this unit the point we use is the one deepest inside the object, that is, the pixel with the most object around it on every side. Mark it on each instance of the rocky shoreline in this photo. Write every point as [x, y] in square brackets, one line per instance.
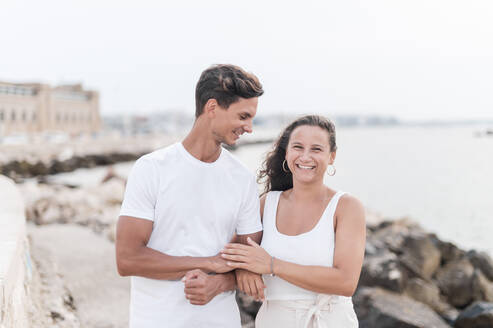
[410, 277]
[29, 161]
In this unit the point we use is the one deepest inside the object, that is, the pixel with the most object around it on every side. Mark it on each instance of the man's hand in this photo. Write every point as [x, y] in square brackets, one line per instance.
[200, 287]
[250, 283]
[218, 264]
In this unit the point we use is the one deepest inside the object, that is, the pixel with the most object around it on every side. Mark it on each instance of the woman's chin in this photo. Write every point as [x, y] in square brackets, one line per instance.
[305, 178]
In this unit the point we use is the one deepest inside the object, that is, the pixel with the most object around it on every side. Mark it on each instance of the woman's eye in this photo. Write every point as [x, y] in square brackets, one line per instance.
[317, 149]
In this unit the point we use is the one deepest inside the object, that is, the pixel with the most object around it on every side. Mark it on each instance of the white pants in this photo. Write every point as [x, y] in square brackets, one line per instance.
[326, 311]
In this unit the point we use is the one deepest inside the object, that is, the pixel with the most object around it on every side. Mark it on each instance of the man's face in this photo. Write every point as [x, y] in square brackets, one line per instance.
[229, 124]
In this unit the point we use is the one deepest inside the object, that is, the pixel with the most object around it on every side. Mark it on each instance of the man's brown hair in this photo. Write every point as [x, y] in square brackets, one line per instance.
[226, 84]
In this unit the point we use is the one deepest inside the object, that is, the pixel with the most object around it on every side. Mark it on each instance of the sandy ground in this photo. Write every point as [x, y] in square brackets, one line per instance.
[85, 262]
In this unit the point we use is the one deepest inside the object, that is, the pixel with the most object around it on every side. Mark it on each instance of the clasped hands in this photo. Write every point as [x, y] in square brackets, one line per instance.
[250, 261]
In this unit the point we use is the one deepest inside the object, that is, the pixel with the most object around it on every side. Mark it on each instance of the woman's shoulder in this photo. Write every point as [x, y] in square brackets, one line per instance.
[349, 205]
[349, 199]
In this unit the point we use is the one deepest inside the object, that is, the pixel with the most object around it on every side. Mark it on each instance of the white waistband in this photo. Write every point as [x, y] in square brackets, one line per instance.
[314, 308]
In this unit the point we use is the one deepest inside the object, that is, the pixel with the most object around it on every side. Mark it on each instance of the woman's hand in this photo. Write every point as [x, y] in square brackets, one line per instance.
[250, 257]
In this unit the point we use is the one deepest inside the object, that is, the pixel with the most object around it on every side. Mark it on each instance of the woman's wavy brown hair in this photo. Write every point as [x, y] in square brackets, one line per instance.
[272, 174]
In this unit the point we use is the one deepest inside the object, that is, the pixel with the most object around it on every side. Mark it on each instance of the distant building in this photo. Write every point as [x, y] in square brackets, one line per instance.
[31, 108]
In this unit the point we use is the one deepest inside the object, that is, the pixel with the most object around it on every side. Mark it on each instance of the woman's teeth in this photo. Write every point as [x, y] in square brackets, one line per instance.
[305, 167]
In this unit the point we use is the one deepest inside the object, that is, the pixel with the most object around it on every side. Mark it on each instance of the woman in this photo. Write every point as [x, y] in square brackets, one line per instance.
[314, 237]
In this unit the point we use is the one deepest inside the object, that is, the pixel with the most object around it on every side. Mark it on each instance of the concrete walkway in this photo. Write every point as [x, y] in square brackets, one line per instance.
[86, 262]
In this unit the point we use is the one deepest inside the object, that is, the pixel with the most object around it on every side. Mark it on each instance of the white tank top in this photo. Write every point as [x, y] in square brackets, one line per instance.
[315, 247]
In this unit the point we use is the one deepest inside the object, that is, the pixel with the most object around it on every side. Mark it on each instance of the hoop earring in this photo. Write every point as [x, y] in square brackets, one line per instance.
[331, 170]
[283, 168]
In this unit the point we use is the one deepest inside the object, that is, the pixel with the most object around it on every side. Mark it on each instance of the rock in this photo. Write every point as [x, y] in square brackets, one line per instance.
[376, 307]
[420, 255]
[455, 282]
[111, 191]
[482, 287]
[248, 309]
[46, 211]
[247, 321]
[383, 270]
[392, 234]
[482, 261]
[477, 315]
[423, 291]
[53, 302]
[429, 294]
[247, 304]
[449, 314]
[449, 252]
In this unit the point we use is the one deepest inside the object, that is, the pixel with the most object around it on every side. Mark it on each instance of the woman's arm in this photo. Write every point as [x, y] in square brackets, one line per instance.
[341, 279]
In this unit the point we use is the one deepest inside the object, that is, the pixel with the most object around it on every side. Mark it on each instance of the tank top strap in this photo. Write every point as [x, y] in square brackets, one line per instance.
[270, 209]
[330, 210]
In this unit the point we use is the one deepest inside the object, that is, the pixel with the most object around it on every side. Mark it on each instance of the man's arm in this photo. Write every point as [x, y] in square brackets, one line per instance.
[134, 258]
[200, 287]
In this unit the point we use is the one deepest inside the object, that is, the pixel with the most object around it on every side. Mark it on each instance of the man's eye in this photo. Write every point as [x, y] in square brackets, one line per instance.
[317, 149]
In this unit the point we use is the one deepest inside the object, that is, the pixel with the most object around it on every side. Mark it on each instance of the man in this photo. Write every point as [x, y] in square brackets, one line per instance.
[183, 203]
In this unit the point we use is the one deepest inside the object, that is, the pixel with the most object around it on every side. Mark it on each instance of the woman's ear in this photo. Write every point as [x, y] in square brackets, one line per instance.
[332, 157]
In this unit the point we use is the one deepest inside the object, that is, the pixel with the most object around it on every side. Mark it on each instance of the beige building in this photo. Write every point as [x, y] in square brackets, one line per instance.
[32, 108]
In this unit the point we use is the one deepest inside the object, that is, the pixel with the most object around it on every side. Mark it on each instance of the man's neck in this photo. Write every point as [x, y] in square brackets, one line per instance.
[201, 144]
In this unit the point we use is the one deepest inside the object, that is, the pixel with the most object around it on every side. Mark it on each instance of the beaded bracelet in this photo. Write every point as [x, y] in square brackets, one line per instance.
[272, 274]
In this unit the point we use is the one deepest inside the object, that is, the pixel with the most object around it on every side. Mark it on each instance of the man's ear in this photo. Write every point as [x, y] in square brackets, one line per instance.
[211, 107]
[332, 157]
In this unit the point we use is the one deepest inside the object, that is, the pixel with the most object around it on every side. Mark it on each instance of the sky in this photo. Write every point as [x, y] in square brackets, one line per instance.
[415, 60]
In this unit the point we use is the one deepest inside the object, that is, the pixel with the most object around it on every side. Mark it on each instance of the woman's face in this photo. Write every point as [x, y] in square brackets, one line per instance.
[308, 153]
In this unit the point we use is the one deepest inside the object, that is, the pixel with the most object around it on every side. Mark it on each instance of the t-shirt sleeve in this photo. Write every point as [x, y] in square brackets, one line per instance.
[249, 217]
[141, 190]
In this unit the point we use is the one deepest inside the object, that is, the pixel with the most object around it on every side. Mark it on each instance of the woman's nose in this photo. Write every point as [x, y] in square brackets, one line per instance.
[305, 156]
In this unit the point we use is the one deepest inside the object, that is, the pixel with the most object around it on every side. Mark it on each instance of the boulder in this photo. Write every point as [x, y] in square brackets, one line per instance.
[455, 282]
[482, 287]
[247, 304]
[420, 255]
[429, 294]
[248, 309]
[383, 270]
[46, 211]
[392, 234]
[477, 315]
[482, 261]
[449, 252]
[376, 307]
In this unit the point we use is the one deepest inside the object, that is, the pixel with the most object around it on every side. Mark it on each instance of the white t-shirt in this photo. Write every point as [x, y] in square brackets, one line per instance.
[196, 208]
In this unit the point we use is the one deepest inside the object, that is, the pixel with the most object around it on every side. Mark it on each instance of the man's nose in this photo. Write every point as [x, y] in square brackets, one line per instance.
[248, 127]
